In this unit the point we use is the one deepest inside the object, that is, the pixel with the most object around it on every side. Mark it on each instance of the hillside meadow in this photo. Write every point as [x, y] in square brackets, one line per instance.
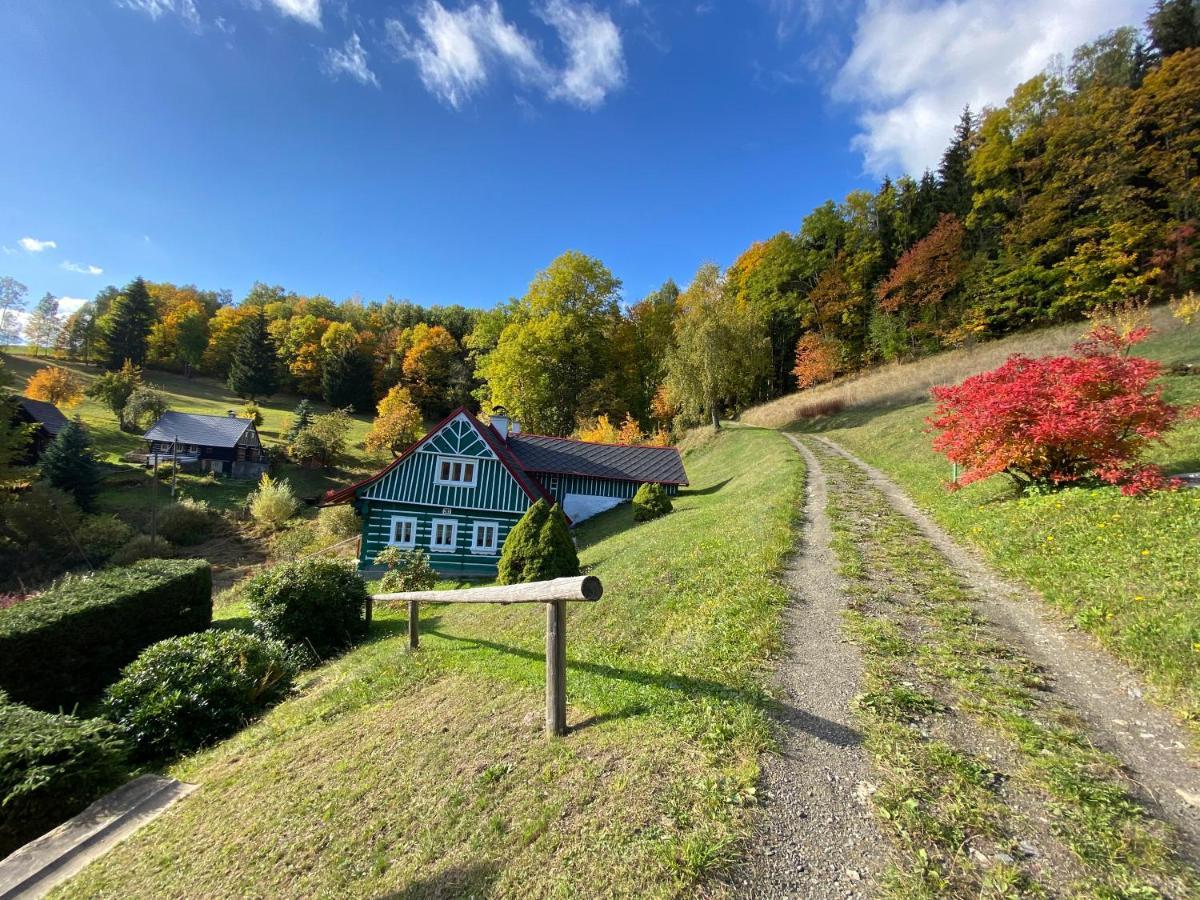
[428, 774]
[1122, 568]
[130, 495]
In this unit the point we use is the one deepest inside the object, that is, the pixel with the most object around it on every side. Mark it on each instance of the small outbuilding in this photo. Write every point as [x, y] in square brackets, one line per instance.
[47, 418]
[225, 445]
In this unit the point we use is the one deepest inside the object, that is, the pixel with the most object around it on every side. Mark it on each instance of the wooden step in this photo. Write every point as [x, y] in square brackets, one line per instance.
[33, 870]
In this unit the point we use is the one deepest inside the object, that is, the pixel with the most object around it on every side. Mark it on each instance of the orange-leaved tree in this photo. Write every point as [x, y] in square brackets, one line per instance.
[397, 425]
[56, 385]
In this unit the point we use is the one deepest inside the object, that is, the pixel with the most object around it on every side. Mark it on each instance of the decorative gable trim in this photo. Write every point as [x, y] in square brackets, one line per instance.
[529, 486]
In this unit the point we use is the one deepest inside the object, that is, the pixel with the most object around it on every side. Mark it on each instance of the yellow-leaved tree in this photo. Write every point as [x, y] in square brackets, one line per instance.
[397, 425]
[56, 385]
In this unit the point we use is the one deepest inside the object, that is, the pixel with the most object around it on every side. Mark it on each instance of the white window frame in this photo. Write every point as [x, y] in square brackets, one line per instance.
[476, 547]
[463, 461]
[403, 545]
[451, 547]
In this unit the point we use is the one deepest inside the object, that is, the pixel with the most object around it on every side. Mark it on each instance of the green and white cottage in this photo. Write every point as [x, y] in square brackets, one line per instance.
[458, 491]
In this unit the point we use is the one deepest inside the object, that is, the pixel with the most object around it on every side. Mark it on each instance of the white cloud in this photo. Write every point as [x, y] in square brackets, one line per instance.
[186, 9]
[350, 60]
[82, 269]
[307, 11]
[455, 52]
[68, 305]
[33, 245]
[915, 65]
[595, 60]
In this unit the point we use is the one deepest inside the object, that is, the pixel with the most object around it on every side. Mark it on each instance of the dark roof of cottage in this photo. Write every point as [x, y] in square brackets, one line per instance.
[193, 428]
[45, 414]
[565, 456]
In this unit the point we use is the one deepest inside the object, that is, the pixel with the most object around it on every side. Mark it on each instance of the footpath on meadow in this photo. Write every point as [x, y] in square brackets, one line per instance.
[942, 732]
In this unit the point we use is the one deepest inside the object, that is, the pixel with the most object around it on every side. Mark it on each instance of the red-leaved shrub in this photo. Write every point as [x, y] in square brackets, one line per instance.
[1056, 420]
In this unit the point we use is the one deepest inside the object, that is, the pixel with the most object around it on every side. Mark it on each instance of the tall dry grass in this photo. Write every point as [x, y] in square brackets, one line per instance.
[901, 383]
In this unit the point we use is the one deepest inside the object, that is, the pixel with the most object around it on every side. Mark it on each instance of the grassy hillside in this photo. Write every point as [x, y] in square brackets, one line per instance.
[1125, 569]
[428, 774]
[199, 395]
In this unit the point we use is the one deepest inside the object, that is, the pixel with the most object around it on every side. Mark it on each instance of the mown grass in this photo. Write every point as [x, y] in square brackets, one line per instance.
[127, 493]
[988, 787]
[428, 774]
[1125, 569]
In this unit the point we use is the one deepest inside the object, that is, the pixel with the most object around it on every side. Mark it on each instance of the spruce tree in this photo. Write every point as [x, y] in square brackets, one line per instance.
[1174, 26]
[347, 380]
[69, 464]
[520, 547]
[127, 325]
[301, 418]
[252, 367]
[954, 180]
[539, 547]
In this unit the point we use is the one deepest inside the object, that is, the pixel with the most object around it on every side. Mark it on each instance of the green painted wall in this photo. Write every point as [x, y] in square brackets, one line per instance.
[594, 487]
[377, 523]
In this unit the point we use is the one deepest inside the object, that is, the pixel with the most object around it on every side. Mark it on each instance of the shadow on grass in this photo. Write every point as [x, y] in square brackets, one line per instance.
[466, 880]
[704, 492]
[816, 726]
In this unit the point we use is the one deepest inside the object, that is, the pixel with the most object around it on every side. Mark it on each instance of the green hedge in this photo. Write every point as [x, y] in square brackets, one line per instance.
[68, 644]
[51, 767]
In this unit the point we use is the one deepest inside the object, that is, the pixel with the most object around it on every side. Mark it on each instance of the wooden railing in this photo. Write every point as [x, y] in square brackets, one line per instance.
[555, 594]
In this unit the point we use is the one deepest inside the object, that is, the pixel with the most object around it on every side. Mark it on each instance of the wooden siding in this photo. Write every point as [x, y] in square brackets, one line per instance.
[377, 523]
[495, 490]
[561, 485]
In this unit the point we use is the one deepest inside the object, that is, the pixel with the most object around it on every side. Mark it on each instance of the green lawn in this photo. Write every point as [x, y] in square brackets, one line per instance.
[129, 491]
[428, 774]
[1125, 569]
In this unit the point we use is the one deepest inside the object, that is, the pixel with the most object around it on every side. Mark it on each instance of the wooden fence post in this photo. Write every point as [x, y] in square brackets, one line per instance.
[555, 593]
[556, 667]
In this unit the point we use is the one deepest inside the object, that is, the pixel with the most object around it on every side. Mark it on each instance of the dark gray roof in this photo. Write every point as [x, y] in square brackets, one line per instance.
[45, 414]
[564, 456]
[193, 428]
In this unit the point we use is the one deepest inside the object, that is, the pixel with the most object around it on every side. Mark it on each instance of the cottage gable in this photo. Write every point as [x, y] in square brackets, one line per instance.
[453, 467]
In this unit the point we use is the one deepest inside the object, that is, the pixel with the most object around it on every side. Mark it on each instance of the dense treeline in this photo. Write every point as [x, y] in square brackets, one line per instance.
[1081, 191]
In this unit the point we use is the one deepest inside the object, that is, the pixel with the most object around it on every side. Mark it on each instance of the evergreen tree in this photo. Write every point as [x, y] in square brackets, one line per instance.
[301, 418]
[14, 434]
[1174, 25]
[954, 179]
[252, 367]
[539, 547]
[347, 380]
[69, 464]
[127, 325]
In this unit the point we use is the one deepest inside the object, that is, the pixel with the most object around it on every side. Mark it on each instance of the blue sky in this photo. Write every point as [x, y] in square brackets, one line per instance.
[445, 151]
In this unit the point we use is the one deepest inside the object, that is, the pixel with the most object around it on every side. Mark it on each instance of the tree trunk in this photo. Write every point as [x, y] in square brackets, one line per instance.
[716, 418]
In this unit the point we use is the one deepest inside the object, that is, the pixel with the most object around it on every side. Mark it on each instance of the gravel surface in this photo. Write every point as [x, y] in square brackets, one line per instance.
[1153, 746]
[817, 837]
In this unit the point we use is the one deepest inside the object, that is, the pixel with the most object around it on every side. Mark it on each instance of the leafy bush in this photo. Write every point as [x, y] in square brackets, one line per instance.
[186, 522]
[142, 546]
[337, 523]
[650, 502]
[51, 767]
[144, 407]
[315, 603]
[252, 412]
[1056, 420]
[407, 570]
[539, 547]
[273, 503]
[63, 646]
[323, 440]
[100, 537]
[185, 692]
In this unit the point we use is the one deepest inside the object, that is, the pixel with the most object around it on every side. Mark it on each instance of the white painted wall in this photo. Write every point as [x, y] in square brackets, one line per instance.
[583, 506]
